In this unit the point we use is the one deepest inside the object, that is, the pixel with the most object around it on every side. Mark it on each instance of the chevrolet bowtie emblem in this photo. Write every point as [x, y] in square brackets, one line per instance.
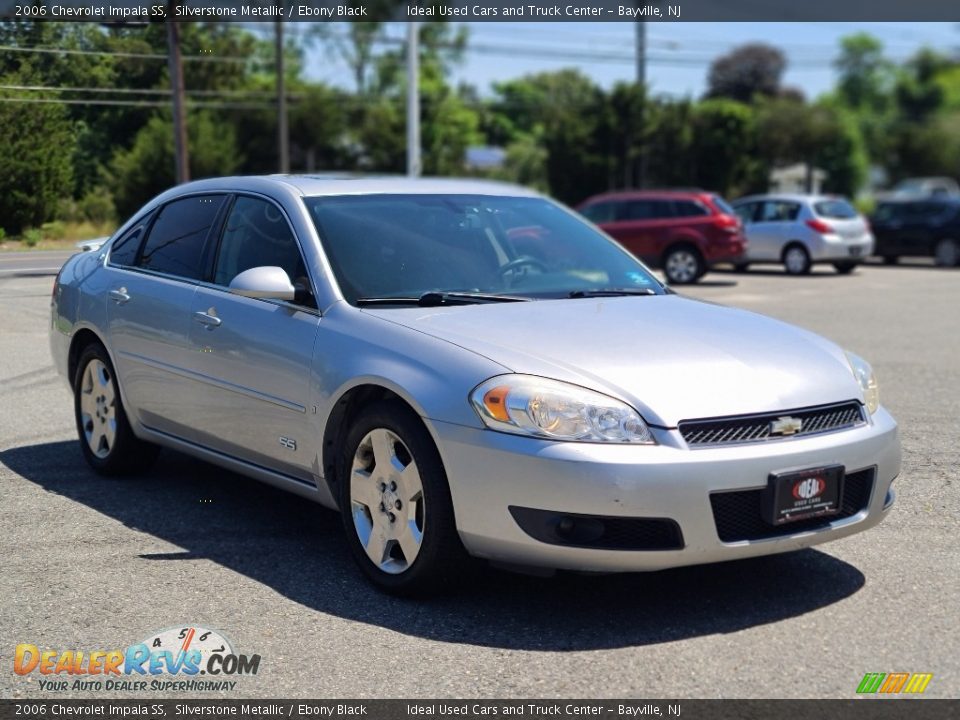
[786, 425]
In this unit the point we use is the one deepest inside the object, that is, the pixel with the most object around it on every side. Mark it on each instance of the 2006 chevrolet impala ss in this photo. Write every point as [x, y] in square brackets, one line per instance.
[463, 368]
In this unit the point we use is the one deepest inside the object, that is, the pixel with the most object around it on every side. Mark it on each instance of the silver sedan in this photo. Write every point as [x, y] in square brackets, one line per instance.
[463, 369]
[800, 230]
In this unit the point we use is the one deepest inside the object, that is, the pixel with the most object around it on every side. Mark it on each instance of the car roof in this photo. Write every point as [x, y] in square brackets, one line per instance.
[314, 185]
[788, 197]
[680, 194]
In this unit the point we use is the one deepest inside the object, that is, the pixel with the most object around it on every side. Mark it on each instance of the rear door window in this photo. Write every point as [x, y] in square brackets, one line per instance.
[689, 208]
[647, 210]
[177, 241]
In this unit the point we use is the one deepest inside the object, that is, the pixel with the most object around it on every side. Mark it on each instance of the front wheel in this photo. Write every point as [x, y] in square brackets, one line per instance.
[683, 265]
[106, 438]
[395, 503]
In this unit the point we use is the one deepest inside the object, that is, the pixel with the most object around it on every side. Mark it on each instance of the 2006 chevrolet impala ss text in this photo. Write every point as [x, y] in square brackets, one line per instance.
[463, 369]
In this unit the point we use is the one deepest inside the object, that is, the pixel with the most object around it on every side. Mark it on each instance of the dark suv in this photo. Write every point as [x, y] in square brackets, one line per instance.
[683, 232]
[925, 227]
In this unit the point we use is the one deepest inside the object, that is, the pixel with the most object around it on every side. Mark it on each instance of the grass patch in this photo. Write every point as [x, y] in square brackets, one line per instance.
[61, 235]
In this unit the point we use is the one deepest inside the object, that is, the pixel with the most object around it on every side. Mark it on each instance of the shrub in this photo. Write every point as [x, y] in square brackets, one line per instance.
[31, 237]
[54, 230]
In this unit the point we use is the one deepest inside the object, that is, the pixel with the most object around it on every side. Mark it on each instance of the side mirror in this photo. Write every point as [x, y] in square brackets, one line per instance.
[266, 281]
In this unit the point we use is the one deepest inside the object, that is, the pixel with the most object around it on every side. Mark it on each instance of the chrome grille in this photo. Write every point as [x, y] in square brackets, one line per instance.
[759, 428]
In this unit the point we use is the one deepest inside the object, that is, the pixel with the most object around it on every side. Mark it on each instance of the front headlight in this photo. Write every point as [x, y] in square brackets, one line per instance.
[538, 407]
[868, 381]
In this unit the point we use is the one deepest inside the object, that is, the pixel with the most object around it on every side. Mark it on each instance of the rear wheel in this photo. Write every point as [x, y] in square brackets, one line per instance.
[741, 267]
[106, 438]
[396, 505]
[796, 260]
[683, 265]
[946, 253]
[845, 268]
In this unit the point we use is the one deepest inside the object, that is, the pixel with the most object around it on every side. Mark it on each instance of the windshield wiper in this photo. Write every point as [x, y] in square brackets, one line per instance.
[436, 299]
[611, 292]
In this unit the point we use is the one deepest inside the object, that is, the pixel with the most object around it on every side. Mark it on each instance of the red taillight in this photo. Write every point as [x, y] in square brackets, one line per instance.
[727, 223]
[820, 226]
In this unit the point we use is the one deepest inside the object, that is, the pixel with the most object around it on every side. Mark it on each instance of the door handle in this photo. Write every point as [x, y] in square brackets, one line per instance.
[119, 296]
[211, 321]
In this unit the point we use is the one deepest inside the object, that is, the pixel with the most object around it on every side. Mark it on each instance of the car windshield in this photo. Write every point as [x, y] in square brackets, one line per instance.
[404, 246]
[835, 209]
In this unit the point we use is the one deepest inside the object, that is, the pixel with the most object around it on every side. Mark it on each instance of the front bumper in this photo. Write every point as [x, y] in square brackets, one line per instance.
[490, 472]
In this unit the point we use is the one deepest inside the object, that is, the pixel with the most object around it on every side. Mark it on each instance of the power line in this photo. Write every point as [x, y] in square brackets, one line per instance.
[134, 103]
[134, 91]
[137, 56]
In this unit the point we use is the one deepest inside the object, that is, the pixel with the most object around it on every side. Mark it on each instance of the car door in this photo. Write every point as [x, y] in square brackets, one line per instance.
[773, 227]
[254, 355]
[635, 228]
[150, 285]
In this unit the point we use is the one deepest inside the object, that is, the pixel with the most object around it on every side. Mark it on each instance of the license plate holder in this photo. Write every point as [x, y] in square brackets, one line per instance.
[803, 494]
[855, 251]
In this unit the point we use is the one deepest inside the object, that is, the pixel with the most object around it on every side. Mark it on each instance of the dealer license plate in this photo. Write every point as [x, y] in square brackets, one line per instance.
[803, 494]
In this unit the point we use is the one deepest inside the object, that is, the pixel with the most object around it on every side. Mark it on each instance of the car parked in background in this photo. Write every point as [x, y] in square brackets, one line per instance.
[800, 230]
[683, 232]
[925, 187]
[926, 228]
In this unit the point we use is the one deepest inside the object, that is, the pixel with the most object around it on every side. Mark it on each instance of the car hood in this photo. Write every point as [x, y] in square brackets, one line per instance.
[670, 357]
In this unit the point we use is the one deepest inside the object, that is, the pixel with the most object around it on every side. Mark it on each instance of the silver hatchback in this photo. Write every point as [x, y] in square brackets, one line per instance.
[463, 369]
[800, 230]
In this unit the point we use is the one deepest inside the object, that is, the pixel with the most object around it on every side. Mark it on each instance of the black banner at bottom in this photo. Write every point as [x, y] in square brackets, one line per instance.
[858, 709]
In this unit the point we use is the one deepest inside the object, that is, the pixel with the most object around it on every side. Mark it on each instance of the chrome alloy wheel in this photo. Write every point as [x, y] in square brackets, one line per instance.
[98, 408]
[386, 501]
[682, 266]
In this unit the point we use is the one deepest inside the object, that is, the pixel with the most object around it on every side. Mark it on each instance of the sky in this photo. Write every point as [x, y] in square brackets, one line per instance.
[679, 53]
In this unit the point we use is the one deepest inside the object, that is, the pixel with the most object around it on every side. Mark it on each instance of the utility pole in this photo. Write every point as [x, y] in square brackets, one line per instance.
[641, 32]
[413, 99]
[283, 132]
[175, 68]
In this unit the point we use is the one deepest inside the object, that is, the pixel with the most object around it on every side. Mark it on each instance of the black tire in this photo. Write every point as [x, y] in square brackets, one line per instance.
[683, 265]
[741, 267]
[796, 259]
[845, 268]
[890, 259]
[124, 453]
[441, 560]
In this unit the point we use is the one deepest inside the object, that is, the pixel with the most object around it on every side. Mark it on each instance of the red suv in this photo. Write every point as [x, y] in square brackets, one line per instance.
[682, 232]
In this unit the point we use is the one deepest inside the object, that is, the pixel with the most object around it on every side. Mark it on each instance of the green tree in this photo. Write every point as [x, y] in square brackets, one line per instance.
[35, 165]
[146, 169]
[723, 145]
[749, 70]
[566, 111]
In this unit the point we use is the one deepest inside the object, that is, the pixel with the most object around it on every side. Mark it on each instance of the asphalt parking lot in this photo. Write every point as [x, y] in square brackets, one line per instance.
[91, 563]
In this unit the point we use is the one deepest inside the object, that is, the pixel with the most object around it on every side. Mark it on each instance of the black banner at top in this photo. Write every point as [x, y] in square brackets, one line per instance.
[137, 11]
